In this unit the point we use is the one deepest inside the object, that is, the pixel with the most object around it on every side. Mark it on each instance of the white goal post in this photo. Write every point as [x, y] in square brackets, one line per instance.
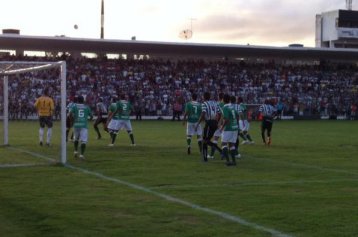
[19, 67]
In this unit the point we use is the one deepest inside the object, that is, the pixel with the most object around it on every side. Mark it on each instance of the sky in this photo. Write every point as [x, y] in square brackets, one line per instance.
[241, 22]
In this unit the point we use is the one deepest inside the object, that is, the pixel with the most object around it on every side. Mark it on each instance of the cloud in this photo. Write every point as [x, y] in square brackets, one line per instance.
[267, 22]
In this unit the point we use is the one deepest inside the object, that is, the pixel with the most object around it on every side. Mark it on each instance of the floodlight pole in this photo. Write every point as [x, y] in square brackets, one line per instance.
[102, 19]
[6, 110]
[191, 23]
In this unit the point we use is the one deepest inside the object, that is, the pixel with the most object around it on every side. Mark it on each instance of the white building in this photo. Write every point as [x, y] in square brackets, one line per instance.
[337, 29]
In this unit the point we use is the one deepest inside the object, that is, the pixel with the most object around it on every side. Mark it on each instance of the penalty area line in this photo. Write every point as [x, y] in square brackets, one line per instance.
[4, 166]
[224, 215]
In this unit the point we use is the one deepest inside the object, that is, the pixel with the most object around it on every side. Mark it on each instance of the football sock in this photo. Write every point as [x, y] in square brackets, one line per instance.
[215, 145]
[243, 136]
[41, 134]
[226, 154]
[97, 130]
[76, 145]
[249, 137]
[205, 151]
[212, 151]
[83, 148]
[233, 153]
[49, 135]
[200, 144]
[263, 137]
[237, 143]
[131, 137]
[113, 136]
[188, 141]
[213, 148]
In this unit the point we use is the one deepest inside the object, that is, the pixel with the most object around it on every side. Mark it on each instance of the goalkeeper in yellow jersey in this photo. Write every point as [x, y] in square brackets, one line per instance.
[45, 109]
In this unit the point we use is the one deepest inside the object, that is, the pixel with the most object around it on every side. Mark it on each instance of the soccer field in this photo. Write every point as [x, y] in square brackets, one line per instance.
[305, 184]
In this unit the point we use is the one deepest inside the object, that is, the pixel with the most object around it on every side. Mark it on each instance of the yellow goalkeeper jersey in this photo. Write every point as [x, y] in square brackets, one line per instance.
[45, 106]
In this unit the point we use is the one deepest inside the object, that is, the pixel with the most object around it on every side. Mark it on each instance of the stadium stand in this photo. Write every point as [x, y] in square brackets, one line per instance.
[327, 90]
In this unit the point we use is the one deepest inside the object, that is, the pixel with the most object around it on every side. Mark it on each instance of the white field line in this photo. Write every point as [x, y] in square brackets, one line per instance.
[3, 166]
[33, 154]
[173, 199]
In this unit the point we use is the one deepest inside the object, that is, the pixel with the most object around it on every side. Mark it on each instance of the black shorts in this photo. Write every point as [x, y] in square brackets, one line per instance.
[209, 129]
[69, 123]
[45, 121]
[266, 124]
[101, 120]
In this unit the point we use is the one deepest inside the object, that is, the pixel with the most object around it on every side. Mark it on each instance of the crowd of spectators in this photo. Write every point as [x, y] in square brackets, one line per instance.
[155, 86]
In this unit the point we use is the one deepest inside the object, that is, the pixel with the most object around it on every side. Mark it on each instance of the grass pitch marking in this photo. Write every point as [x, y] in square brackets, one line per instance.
[4, 166]
[166, 197]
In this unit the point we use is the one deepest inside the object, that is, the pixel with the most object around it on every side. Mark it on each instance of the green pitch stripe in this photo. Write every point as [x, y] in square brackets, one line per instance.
[223, 215]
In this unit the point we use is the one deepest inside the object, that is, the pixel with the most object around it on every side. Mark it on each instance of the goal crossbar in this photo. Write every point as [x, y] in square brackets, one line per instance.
[4, 73]
[43, 66]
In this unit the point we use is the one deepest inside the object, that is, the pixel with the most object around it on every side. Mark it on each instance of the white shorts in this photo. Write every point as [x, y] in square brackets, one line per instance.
[190, 129]
[113, 125]
[217, 133]
[229, 136]
[81, 134]
[125, 124]
[244, 125]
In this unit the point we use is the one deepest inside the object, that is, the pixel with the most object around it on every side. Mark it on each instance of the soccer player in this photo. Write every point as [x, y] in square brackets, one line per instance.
[217, 133]
[69, 123]
[244, 125]
[191, 116]
[119, 118]
[237, 109]
[229, 130]
[45, 109]
[102, 115]
[268, 113]
[79, 114]
[211, 114]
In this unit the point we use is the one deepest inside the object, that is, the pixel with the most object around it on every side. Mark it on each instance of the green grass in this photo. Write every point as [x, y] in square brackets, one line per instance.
[305, 184]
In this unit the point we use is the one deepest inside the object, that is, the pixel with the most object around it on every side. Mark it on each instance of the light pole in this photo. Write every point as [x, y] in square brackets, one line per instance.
[102, 19]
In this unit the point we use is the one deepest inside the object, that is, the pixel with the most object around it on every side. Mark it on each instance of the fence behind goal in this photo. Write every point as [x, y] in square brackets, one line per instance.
[21, 82]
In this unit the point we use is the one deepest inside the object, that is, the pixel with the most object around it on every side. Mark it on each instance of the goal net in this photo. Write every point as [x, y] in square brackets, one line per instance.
[21, 83]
